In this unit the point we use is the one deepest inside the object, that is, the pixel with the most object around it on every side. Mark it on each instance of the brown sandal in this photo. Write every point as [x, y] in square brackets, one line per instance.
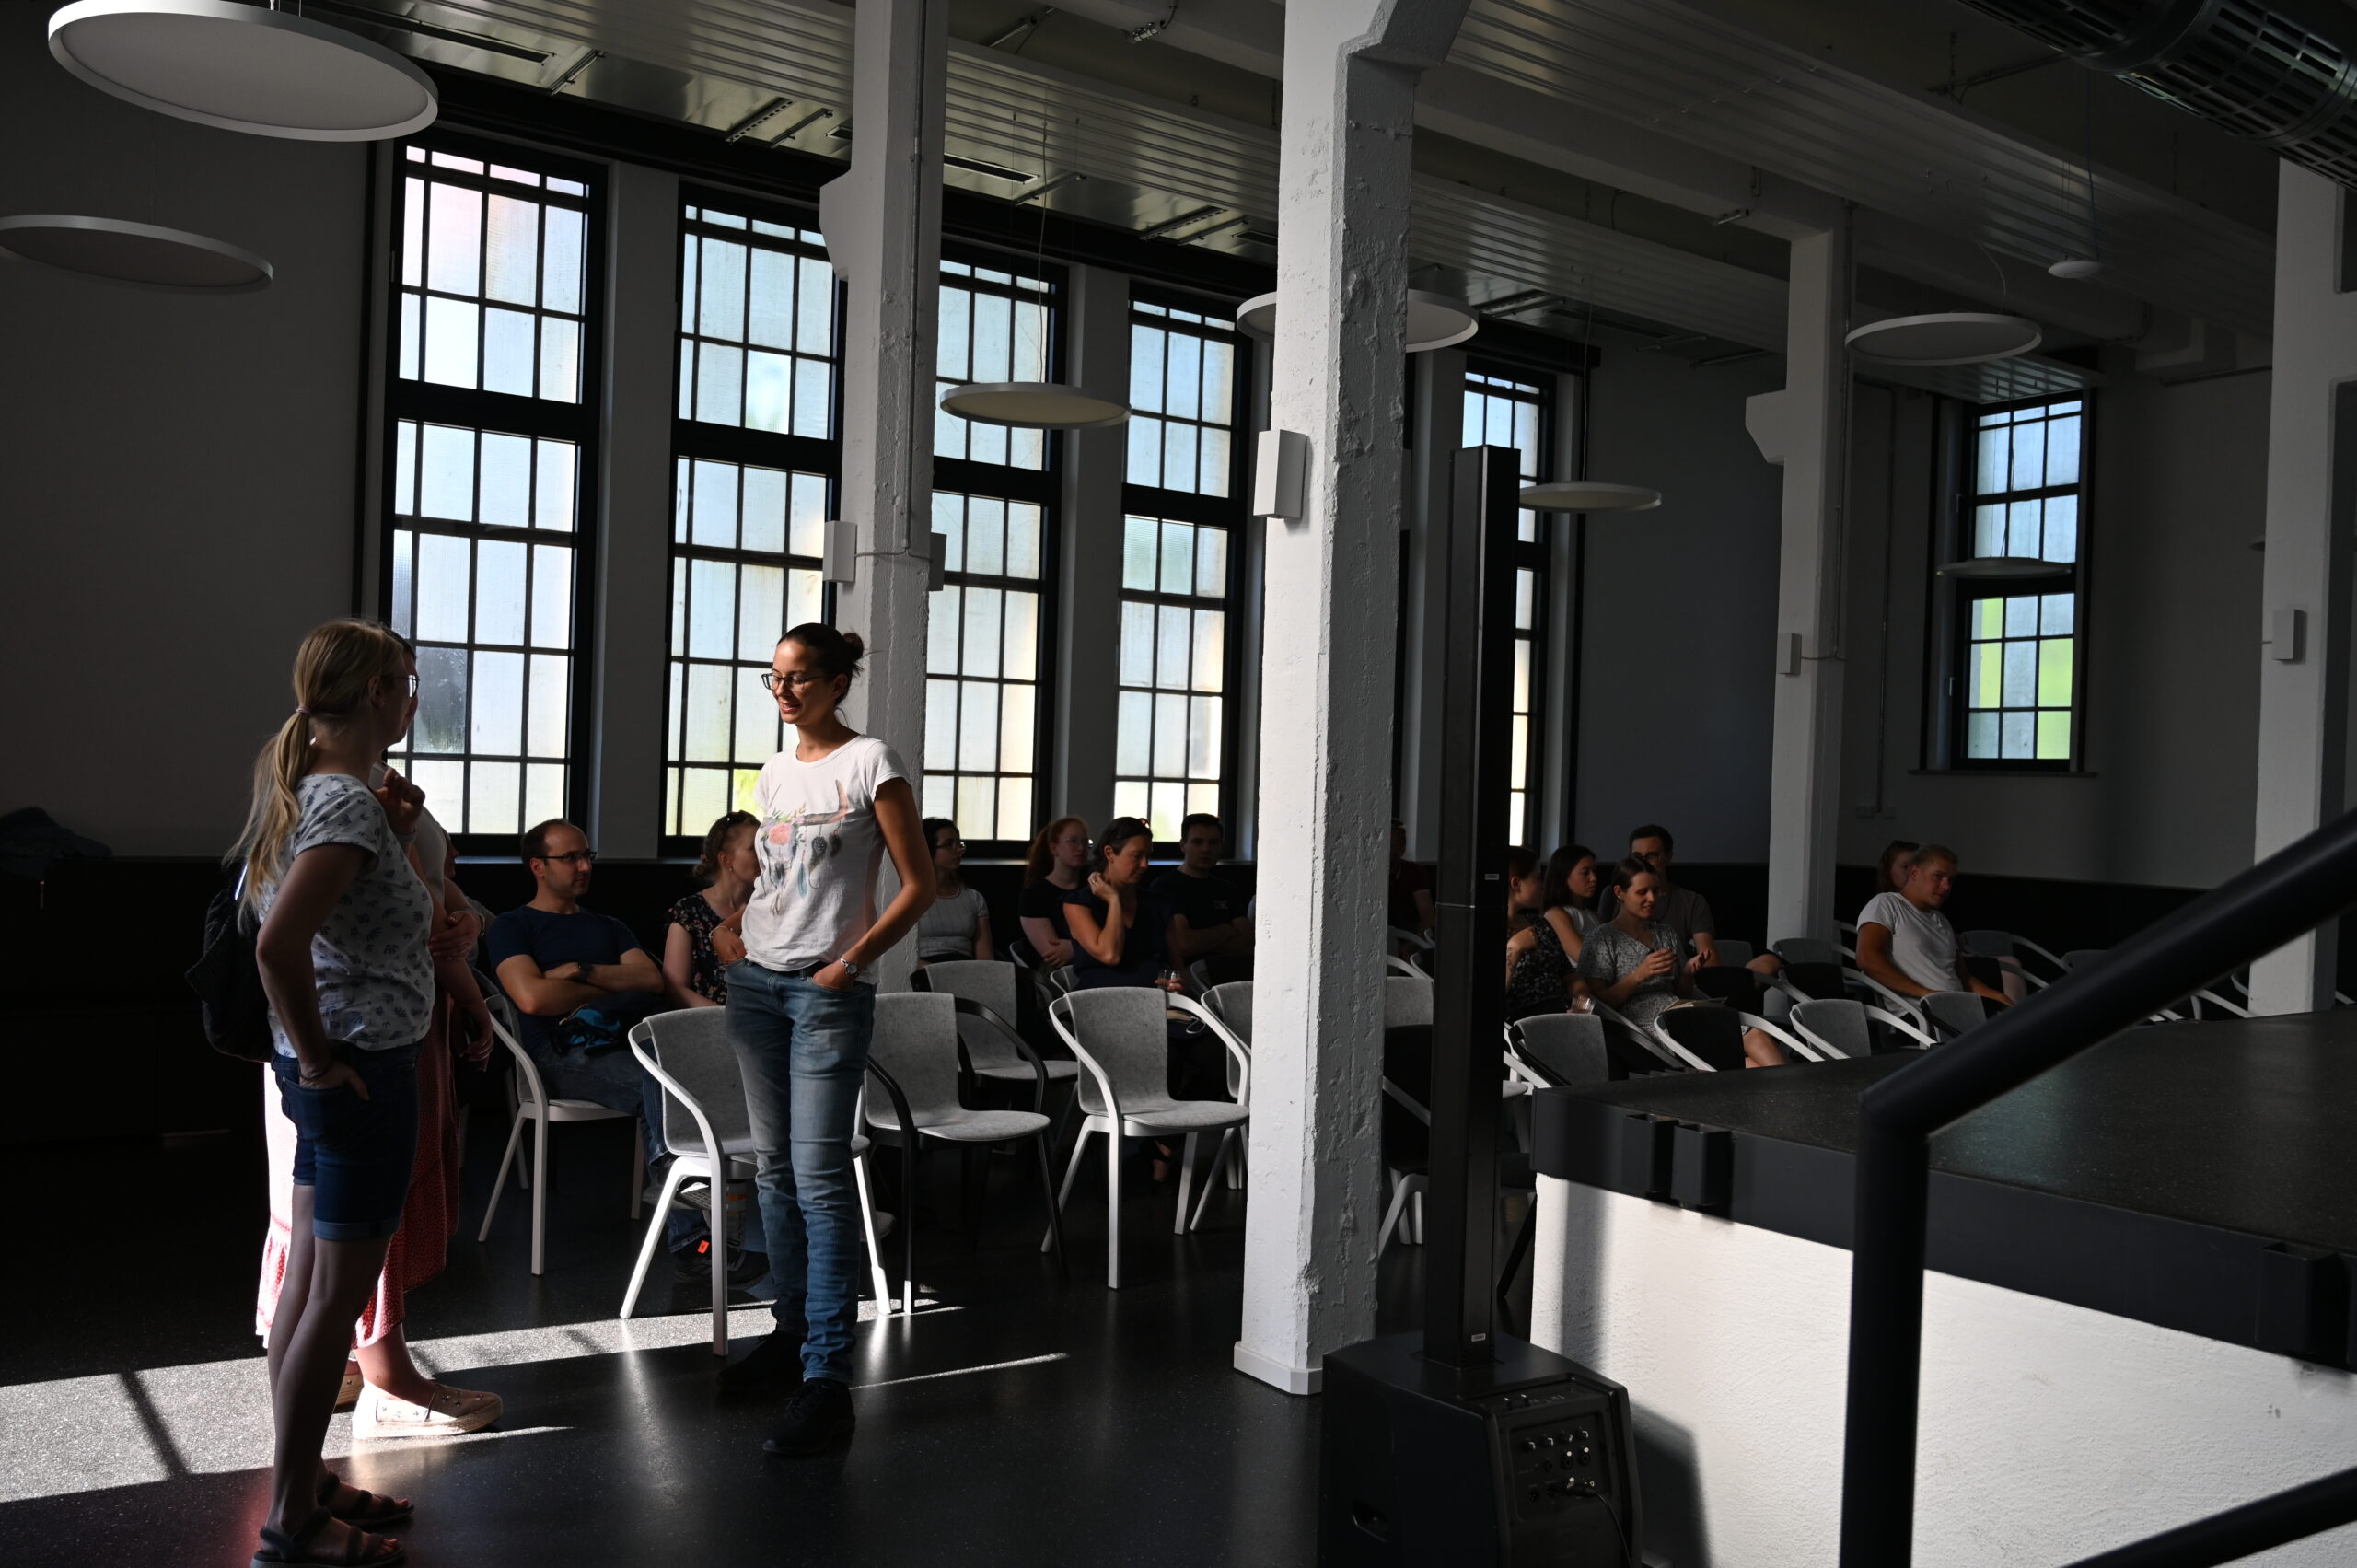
[370, 1510]
[285, 1549]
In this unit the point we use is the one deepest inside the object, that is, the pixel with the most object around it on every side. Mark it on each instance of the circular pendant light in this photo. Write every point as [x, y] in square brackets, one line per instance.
[140, 253]
[1434, 321]
[1589, 495]
[1945, 337]
[1033, 405]
[2076, 267]
[1988, 568]
[243, 68]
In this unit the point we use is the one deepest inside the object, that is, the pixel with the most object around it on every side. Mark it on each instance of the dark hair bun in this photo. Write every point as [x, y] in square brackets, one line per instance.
[857, 644]
[836, 653]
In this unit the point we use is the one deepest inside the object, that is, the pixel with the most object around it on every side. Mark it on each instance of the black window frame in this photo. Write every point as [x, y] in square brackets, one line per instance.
[1530, 555]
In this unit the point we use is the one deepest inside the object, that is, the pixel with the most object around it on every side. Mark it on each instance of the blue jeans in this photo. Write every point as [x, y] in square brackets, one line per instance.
[615, 1080]
[802, 1051]
[355, 1154]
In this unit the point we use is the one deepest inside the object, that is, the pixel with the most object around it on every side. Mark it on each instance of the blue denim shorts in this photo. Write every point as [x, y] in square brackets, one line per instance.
[355, 1154]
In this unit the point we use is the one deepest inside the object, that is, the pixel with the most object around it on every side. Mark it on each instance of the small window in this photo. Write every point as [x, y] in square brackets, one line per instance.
[1504, 409]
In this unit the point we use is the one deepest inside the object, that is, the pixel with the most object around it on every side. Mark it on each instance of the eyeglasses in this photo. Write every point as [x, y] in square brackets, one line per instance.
[412, 685]
[795, 680]
[579, 857]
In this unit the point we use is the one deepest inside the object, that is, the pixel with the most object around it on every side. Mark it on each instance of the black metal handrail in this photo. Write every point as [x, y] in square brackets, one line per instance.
[2254, 913]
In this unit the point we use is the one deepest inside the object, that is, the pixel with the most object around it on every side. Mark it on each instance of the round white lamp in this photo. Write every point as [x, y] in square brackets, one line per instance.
[1434, 321]
[1033, 405]
[1993, 569]
[140, 253]
[1946, 337]
[1589, 495]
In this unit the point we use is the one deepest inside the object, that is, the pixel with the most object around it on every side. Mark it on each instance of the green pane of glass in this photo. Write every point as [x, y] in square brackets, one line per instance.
[2054, 738]
[1988, 618]
[1986, 671]
[2053, 675]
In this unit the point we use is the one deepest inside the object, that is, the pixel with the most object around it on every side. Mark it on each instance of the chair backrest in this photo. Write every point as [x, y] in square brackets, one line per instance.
[1567, 1048]
[1733, 954]
[1729, 984]
[1807, 950]
[1837, 1023]
[691, 1046]
[1953, 1011]
[915, 1042]
[1408, 1067]
[995, 986]
[1713, 1034]
[1988, 944]
[1407, 999]
[1821, 981]
[1023, 953]
[1397, 935]
[1232, 1005]
[1123, 1031]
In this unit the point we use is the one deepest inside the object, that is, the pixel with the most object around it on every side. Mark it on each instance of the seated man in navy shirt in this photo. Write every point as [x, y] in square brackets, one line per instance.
[553, 956]
[1207, 911]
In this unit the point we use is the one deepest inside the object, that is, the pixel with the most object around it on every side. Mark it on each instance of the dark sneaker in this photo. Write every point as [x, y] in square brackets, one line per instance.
[773, 1366]
[693, 1264]
[818, 1418]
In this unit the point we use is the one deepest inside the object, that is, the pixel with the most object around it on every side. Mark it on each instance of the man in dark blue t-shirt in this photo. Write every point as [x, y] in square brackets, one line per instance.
[551, 956]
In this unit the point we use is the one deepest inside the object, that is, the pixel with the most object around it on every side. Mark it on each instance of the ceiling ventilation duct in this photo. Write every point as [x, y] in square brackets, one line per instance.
[2281, 74]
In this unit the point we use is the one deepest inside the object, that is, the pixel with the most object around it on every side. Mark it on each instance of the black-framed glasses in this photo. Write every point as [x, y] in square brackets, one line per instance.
[412, 685]
[795, 681]
[579, 857]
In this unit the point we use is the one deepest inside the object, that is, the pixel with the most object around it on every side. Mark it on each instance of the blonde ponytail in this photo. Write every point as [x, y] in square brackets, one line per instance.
[332, 670]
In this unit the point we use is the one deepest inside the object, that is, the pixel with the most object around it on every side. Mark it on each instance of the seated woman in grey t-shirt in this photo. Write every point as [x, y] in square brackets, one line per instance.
[958, 925]
[1630, 962]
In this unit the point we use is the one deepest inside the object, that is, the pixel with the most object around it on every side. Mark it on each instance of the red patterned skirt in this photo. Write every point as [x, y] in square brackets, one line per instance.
[429, 1217]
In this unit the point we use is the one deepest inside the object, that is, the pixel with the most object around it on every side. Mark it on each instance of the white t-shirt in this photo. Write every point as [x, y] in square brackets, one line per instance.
[375, 977]
[1922, 943]
[820, 850]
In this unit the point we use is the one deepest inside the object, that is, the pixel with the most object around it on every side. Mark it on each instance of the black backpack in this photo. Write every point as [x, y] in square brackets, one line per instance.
[228, 981]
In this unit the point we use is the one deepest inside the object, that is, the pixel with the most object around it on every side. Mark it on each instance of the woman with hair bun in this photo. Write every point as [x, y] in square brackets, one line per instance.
[802, 1009]
[695, 953]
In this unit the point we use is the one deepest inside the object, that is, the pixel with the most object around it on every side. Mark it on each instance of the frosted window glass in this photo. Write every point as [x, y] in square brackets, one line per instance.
[499, 592]
[495, 723]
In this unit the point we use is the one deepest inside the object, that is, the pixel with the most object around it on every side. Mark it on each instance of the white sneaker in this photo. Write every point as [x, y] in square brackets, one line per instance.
[452, 1410]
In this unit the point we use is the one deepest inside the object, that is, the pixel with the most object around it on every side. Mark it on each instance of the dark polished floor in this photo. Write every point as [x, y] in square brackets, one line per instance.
[1019, 1420]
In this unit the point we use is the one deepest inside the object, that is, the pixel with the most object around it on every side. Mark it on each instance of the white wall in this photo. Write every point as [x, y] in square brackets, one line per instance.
[179, 489]
[2171, 661]
[1680, 611]
[2047, 1432]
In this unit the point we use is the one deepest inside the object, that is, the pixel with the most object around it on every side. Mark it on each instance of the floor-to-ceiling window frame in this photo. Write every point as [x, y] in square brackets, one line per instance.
[1508, 406]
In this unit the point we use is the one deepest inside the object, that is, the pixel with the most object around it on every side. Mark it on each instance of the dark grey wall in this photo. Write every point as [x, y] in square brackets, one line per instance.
[178, 505]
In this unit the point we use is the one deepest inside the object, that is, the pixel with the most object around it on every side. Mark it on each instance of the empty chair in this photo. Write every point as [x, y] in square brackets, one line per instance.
[1397, 936]
[1394, 964]
[1407, 999]
[1841, 1026]
[1232, 1005]
[1119, 1036]
[711, 1138]
[994, 1045]
[1566, 1049]
[918, 1054]
[534, 1105]
[1953, 1012]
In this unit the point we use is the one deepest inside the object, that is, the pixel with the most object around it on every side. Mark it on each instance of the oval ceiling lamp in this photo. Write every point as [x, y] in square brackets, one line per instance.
[243, 67]
[140, 253]
[1990, 568]
[1033, 405]
[1434, 321]
[1945, 337]
[1589, 495]
[2076, 268]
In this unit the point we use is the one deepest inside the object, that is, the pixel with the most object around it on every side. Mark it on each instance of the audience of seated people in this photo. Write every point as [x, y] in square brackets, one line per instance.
[958, 924]
[1568, 896]
[1207, 920]
[694, 967]
[1905, 942]
[552, 957]
[1631, 965]
[1683, 910]
[1052, 868]
[1119, 930]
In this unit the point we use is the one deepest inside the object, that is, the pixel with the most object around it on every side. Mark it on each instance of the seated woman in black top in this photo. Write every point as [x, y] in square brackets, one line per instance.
[1053, 871]
[1119, 933]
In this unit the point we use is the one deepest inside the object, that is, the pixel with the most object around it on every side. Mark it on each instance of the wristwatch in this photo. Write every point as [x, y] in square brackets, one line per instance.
[851, 967]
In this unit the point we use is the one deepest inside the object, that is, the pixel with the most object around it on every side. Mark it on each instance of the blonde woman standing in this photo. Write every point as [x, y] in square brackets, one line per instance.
[342, 955]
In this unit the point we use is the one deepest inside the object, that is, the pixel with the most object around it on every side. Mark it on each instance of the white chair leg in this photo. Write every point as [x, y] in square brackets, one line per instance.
[540, 1189]
[1391, 1215]
[1113, 1210]
[718, 1240]
[1071, 1169]
[506, 1161]
[637, 1167]
[1235, 1165]
[874, 1253]
[1186, 1184]
[1414, 1229]
[1219, 1160]
[654, 1232]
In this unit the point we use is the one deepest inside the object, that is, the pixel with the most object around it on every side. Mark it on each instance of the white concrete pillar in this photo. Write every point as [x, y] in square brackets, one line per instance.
[1339, 377]
[1805, 429]
[882, 222]
[2303, 665]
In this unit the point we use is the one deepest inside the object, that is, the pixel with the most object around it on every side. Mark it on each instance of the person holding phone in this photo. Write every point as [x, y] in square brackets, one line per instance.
[801, 1010]
[342, 955]
[1632, 963]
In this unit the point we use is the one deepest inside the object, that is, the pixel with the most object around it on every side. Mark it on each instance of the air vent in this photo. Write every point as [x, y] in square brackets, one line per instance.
[2253, 70]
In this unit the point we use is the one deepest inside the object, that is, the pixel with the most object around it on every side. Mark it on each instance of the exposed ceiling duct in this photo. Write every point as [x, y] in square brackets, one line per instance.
[2282, 75]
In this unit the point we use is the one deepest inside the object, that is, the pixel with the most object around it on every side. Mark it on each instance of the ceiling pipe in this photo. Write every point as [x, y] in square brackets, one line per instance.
[2281, 74]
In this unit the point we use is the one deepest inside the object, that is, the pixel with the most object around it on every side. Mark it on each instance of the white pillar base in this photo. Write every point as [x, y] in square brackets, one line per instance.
[1276, 1373]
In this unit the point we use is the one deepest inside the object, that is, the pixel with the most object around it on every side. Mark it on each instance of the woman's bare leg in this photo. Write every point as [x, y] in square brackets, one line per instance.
[389, 1366]
[1761, 1049]
[327, 1283]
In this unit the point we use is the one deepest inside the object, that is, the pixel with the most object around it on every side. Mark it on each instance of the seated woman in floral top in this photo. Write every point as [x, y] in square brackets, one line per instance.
[692, 961]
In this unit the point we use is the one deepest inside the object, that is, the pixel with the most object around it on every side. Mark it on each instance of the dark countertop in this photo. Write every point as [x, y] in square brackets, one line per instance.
[2201, 1176]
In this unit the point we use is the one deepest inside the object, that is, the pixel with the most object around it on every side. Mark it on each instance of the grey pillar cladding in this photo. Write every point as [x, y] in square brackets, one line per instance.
[1338, 378]
[1088, 666]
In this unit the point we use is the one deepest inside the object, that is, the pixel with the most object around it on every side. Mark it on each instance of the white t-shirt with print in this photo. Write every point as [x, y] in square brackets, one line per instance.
[368, 960]
[1922, 943]
[819, 849]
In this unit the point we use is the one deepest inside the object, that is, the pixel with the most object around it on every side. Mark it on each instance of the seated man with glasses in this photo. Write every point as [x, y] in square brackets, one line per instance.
[579, 980]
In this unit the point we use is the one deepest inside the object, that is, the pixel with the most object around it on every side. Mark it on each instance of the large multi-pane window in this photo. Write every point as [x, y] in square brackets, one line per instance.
[491, 447]
[2015, 694]
[1179, 569]
[988, 642]
[754, 464]
[1504, 409]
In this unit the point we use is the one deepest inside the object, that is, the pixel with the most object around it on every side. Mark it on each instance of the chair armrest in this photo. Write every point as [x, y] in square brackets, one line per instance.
[902, 1116]
[1408, 1101]
[1059, 1016]
[1236, 1048]
[1023, 1048]
[642, 1034]
[525, 1068]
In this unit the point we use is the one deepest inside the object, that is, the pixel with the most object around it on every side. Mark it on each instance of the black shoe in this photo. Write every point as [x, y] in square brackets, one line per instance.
[693, 1265]
[818, 1418]
[773, 1366]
